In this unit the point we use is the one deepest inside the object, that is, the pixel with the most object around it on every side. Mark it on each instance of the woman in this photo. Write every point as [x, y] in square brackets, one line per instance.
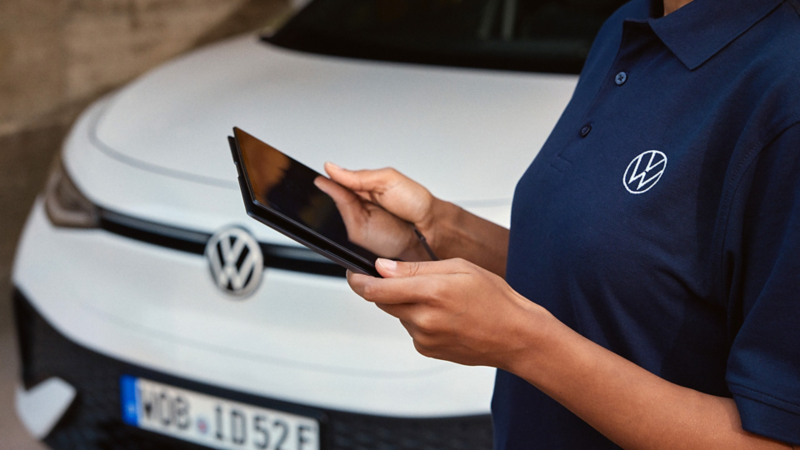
[647, 294]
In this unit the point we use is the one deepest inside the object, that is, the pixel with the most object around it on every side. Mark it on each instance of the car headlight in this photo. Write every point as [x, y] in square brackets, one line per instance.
[64, 203]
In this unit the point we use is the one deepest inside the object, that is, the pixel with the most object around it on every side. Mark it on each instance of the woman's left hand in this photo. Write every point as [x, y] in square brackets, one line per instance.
[371, 226]
[453, 309]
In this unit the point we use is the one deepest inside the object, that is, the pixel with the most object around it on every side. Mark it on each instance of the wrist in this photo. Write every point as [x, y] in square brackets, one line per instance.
[414, 249]
[438, 224]
[534, 332]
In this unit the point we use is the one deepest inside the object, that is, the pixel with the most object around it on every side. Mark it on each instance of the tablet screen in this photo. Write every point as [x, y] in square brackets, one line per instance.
[286, 186]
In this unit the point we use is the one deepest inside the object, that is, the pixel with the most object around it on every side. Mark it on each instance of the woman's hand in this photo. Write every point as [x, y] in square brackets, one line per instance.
[453, 309]
[380, 209]
[379, 206]
[459, 312]
[390, 189]
[371, 226]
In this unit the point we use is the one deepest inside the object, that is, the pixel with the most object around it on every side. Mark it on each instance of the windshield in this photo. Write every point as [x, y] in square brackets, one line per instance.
[528, 35]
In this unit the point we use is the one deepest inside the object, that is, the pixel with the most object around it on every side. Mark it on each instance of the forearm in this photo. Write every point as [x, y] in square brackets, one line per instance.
[628, 404]
[453, 232]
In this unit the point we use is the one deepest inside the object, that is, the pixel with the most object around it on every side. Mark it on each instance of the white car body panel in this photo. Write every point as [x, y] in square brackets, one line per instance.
[339, 352]
[467, 134]
[156, 150]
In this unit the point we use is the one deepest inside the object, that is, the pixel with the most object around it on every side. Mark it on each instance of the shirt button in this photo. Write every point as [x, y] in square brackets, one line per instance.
[586, 130]
[621, 78]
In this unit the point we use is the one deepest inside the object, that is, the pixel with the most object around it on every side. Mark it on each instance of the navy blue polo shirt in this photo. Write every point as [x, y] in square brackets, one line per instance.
[661, 219]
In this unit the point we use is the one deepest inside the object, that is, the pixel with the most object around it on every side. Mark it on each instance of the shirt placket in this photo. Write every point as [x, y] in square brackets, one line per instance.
[593, 130]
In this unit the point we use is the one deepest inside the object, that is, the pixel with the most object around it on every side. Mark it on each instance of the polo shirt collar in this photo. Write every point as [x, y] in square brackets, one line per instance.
[697, 31]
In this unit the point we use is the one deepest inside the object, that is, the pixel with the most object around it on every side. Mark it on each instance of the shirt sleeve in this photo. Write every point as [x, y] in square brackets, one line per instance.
[762, 262]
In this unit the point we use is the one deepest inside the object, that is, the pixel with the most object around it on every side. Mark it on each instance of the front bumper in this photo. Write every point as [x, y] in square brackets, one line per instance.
[302, 338]
[94, 420]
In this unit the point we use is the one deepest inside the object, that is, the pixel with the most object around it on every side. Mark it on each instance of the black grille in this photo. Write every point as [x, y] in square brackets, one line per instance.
[93, 422]
[296, 259]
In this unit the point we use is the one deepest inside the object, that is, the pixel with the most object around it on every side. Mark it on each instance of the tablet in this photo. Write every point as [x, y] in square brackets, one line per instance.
[280, 192]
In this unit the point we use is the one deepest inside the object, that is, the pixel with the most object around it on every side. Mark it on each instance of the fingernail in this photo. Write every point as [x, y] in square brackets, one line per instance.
[387, 264]
[333, 165]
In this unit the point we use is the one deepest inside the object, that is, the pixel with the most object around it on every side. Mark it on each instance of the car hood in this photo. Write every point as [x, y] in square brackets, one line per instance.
[466, 134]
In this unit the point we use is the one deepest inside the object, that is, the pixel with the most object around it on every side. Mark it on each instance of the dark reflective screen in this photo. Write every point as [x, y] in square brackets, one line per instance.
[287, 187]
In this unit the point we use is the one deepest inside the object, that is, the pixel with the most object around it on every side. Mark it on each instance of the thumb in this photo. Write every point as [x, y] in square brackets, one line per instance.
[362, 180]
[398, 269]
[348, 203]
[342, 176]
[337, 192]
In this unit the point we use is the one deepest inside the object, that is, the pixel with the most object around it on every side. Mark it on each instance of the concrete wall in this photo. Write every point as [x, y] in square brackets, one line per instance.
[57, 55]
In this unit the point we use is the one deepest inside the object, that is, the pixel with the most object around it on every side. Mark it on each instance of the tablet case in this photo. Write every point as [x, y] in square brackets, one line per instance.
[277, 221]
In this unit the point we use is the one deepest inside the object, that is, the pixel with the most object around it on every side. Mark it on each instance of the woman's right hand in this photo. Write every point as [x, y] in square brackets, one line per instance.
[407, 201]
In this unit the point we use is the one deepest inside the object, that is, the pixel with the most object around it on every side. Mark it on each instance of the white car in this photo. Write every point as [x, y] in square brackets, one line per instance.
[131, 338]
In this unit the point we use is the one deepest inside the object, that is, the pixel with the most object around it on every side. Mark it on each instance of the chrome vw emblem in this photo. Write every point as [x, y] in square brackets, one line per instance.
[236, 262]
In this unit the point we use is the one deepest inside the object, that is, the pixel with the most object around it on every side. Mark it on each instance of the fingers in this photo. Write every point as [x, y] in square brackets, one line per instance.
[348, 203]
[408, 282]
[389, 189]
[399, 269]
[363, 180]
[338, 193]
[384, 291]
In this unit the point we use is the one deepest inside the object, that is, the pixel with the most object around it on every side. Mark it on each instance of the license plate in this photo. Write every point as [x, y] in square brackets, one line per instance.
[213, 421]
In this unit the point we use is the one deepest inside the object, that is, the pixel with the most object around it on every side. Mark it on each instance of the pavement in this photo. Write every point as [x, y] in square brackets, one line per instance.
[24, 159]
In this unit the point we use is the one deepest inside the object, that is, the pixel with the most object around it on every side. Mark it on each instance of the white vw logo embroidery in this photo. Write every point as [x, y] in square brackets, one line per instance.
[644, 171]
[236, 262]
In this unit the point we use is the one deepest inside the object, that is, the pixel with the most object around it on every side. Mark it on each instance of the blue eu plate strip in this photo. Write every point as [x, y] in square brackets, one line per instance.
[130, 410]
